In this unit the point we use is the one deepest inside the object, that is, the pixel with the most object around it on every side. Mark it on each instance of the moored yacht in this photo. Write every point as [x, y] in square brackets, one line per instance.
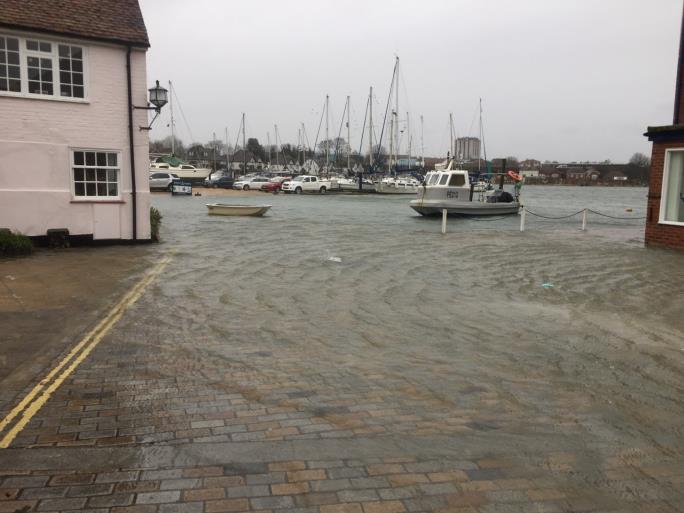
[185, 171]
[451, 190]
[398, 185]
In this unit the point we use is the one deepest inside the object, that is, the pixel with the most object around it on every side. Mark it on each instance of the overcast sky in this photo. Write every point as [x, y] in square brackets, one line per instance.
[560, 80]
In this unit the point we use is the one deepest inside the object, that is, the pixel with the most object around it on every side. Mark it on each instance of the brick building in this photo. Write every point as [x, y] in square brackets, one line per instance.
[665, 214]
[73, 156]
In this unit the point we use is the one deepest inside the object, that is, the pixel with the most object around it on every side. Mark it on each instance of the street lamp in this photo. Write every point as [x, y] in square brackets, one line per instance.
[158, 98]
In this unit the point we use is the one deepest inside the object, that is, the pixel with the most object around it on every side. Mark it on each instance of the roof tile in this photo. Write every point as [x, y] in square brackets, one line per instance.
[118, 21]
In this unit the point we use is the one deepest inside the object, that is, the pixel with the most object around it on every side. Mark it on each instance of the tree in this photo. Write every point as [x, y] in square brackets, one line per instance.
[256, 149]
[164, 146]
[639, 160]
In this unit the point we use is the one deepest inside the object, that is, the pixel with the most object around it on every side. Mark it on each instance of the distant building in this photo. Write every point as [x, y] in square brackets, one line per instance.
[467, 148]
[70, 73]
[665, 210]
[530, 164]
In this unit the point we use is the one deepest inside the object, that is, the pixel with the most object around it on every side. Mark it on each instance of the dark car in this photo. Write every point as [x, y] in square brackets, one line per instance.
[224, 182]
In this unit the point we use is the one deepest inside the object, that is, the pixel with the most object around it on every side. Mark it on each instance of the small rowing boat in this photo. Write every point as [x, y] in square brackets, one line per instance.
[224, 209]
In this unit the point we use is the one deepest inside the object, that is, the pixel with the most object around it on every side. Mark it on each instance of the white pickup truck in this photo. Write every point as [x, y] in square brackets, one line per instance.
[306, 183]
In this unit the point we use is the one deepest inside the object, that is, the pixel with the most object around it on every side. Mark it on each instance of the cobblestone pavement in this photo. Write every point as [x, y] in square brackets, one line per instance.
[199, 401]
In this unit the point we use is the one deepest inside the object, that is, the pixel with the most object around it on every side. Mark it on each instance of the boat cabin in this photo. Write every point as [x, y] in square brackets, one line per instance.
[452, 184]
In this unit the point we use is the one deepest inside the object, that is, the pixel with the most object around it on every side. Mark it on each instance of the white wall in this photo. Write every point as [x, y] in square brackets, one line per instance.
[35, 140]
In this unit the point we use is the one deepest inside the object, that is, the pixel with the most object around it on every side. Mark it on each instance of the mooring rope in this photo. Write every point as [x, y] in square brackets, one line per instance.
[613, 217]
[579, 212]
[549, 217]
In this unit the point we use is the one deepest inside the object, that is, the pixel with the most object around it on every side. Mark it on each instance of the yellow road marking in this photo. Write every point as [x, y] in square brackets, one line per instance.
[28, 407]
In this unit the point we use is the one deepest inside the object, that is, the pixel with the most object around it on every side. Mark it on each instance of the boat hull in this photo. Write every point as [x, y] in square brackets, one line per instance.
[222, 209]
[383, 188]
[472, 208]
[354, 187]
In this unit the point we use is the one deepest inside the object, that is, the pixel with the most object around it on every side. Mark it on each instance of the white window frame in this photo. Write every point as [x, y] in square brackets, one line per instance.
[54, 56]
[95, 199]
[664, 186]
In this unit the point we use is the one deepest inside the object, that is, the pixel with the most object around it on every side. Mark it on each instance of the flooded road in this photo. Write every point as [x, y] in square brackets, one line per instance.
[346, 339]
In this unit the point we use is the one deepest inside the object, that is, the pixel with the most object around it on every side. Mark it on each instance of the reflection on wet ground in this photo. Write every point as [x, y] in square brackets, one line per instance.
[347, 355]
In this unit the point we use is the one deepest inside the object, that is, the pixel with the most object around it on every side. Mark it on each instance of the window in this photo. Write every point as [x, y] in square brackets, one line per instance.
[672, 199]
[96, 174]
[39, 67]
[443, 179]
[71, 71]
[10, 75]
[457, 180]
[31, 67]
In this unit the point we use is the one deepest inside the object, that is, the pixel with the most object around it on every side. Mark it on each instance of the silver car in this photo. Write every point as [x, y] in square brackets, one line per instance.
[162, 180]
[250, 183]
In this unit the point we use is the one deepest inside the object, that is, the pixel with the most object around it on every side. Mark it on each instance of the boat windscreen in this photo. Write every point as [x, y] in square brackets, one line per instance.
[457, 180]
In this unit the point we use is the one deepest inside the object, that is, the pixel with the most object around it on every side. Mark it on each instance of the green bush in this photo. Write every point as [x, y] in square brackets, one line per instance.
[155, 223]
[14, 244]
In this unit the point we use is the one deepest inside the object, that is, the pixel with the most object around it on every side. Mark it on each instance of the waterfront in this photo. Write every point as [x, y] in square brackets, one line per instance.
[421, 372]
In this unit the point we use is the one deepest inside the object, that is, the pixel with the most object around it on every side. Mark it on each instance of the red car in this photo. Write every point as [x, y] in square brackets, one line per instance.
[275, 184]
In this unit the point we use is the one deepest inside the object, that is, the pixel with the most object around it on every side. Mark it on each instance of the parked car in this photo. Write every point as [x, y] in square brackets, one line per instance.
[213, 177]
[224, 182]
[275, 184]
[163, 180]
[254, 182]
[306, 183]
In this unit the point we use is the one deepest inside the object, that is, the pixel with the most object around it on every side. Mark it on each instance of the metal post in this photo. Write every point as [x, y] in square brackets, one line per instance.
[522, 220]
[444, 220]
[584, 219]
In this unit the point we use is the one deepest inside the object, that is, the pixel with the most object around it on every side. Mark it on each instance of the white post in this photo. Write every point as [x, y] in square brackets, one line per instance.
[444, 220]
[584, 220]
[522, 220]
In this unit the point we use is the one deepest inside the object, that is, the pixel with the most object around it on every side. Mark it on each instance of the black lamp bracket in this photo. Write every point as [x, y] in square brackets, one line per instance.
[156, 109]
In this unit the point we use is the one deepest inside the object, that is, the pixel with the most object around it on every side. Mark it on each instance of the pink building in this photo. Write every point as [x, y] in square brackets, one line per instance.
[72, 155]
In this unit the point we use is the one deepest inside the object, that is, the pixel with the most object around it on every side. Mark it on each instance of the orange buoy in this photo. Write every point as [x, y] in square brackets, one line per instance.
[514, 176]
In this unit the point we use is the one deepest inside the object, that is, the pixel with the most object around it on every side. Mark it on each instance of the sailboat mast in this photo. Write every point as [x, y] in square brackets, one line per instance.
[451, 134]
[173, 136]
[227, 155]
[370, 128]
[482, 139]
[275, 128]
[422, 146]
[244, 144]
[408, 134]
[396, 113]
[391, 141]
[268, 143]
[303, 147]
[327, 137]
[348, 138]
[213, 147]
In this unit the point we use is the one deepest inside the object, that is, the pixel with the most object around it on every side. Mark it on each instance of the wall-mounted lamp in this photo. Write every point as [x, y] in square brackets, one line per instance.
[158, 98]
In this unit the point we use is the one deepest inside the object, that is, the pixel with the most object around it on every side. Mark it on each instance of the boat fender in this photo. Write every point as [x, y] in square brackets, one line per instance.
[514, 176]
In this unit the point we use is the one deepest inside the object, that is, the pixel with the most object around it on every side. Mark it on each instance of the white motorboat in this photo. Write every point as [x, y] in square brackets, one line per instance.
[451, 190]
[184, 171]
[352, 185]
[399, 185]
[224, 209]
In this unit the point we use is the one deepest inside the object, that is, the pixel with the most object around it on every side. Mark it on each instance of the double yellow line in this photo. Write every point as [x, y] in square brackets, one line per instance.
[38, 396]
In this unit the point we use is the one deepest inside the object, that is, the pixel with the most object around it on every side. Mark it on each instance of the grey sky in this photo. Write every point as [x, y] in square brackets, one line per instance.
[560, 80]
